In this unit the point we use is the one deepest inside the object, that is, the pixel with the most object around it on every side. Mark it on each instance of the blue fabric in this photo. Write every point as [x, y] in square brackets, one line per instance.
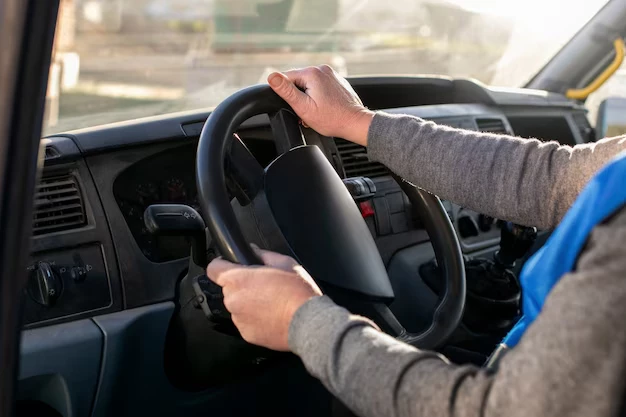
[601, 197]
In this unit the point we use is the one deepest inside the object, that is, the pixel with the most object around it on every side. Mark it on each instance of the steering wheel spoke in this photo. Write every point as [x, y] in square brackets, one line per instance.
[286, 129]
[244, 174]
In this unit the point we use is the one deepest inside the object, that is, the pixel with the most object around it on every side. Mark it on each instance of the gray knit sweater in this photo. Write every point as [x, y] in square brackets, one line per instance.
[570, 362]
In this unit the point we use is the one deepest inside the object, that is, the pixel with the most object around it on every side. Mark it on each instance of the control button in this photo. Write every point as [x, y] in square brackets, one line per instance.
[44, 287]
[78, 273]
[366, 209]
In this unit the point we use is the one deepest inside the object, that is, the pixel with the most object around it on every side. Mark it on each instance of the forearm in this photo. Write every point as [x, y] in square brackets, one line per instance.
[521, 180]
[570, 361]
[372, 373]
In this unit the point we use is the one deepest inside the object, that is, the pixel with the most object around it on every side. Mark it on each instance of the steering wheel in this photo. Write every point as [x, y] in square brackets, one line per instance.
[319, 219]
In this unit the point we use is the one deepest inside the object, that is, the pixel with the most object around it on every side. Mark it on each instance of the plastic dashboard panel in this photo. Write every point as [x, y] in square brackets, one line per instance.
[95, 232]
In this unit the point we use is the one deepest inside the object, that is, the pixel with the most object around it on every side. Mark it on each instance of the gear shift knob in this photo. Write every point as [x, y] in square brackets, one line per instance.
[515, 241]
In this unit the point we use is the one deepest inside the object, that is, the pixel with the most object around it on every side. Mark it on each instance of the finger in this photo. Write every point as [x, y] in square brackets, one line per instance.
[288, 91]
[217, 269]
[274, 259]
[303, 77]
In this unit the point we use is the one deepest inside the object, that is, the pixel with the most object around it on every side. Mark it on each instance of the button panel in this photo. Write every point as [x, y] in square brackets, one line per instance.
[81, 275]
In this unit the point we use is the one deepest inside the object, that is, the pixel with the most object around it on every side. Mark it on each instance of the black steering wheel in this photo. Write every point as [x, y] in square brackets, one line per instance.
[319, 219]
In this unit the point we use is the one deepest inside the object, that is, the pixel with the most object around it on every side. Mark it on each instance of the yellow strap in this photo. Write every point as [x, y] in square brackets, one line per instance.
[583, 93]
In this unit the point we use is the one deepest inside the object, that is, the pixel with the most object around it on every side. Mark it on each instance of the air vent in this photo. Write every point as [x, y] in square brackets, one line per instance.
[51, 152]
[491, 125]
[355, 162]
[582, 123]
[58, 205]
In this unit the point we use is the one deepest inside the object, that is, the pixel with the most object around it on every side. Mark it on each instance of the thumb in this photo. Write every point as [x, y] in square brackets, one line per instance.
[288, 91]
[274, 259]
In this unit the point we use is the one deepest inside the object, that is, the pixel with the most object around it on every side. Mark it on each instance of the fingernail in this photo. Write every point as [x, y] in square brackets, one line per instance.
[275, 80]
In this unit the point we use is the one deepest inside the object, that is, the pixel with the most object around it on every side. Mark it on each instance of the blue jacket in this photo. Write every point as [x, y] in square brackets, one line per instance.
[603, 196]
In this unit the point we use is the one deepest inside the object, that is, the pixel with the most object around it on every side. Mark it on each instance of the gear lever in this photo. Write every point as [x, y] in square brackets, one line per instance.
[493, 291]
[515, 241]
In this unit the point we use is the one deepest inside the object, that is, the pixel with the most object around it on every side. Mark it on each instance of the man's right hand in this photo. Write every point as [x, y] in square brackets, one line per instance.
[324, 101]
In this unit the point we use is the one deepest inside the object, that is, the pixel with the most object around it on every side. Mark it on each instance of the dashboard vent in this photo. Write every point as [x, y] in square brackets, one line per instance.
[491, 125]
[58, 205]
[355, 162]
[582, 123]
[51, 152]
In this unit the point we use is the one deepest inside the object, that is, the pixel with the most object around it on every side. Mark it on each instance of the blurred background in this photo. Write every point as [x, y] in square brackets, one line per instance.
[118, 60]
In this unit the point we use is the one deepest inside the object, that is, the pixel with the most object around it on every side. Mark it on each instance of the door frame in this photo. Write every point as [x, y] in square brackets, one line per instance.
[27, 35]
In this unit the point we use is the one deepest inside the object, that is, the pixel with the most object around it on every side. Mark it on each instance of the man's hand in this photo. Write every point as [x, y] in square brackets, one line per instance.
[324, 101]
[263, 299]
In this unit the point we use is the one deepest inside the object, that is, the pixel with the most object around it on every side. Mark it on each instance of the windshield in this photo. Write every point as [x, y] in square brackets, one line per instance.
[117, 60]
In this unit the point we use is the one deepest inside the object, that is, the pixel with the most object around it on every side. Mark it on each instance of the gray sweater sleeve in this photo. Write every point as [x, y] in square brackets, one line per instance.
[522, 180]
[570, 362]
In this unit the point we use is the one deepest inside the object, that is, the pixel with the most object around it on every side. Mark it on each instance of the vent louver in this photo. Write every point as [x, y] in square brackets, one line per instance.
[491, 125]
[355, 162]
[58, 205]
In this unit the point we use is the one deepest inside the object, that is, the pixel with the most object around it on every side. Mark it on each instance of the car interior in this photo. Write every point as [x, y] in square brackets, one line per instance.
[120, 320]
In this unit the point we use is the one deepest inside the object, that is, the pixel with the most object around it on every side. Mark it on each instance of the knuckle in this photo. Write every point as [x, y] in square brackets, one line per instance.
[325, 68]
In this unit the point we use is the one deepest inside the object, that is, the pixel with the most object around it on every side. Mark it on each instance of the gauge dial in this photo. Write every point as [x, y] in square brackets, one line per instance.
[148, 193]
[175, 190]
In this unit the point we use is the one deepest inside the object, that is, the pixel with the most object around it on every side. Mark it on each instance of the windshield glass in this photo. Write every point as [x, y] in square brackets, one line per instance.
[117, 60]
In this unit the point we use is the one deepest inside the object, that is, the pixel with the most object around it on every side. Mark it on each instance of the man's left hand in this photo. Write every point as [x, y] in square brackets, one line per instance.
[262, 300]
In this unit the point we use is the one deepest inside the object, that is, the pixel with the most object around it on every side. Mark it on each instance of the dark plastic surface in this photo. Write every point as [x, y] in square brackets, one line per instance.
[95, 233]
[323, 225]
[133, 381]
[71, 352]
[203, 348]
[145, 282]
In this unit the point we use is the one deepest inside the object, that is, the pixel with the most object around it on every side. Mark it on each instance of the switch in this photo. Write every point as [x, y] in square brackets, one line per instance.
[78, 273]
[44, 286]
[366, 209]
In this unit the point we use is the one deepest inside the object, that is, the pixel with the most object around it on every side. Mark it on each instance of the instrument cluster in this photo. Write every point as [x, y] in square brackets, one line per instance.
[165, 178]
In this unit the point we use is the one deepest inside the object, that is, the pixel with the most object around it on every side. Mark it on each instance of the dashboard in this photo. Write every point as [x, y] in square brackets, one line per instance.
[120, 169]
